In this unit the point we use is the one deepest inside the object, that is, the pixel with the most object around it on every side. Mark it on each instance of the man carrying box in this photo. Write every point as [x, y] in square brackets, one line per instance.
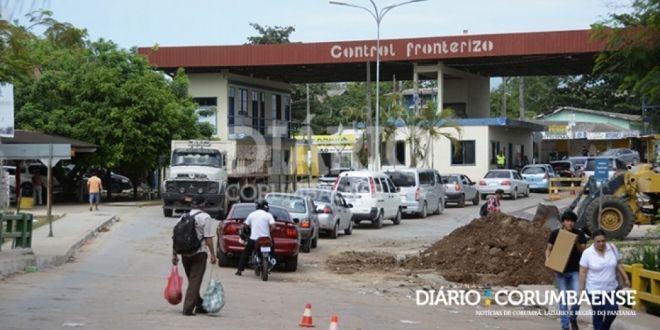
[567, 252]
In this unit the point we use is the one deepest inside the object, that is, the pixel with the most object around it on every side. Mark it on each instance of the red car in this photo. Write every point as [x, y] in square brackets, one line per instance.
[285, 236]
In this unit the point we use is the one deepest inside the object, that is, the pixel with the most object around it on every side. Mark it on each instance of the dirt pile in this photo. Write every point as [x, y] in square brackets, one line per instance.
[494, 250]
[350, 262]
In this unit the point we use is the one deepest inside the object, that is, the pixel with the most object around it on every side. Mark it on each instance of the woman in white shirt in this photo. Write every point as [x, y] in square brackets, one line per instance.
[598, 266]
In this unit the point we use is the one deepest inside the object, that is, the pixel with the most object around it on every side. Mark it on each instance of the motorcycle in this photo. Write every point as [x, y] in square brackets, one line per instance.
[262, 257]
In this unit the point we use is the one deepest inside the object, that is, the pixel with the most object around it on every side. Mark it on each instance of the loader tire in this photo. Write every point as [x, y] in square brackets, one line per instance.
[617, 217]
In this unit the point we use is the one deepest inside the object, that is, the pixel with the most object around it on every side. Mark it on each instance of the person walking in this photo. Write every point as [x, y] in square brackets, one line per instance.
[94, 187]
[37, 188]
[501, 159]
[261, 223]
[568, 280]
[195, 264]
[494, 202]
[598, 268]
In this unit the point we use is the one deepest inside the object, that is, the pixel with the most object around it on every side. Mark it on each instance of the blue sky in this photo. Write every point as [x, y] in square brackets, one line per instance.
[221, 22]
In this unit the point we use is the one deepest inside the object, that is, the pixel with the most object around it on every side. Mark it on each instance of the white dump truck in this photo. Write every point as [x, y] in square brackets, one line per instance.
[222, 172]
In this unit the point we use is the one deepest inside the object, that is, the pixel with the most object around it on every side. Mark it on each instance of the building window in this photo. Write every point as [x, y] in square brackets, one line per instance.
[243, 110]
[207, 111]
[494, 149]
[277, 106]
[465, 155]
[255, 110]
[231, 105]
[262, 113]
[287, 108]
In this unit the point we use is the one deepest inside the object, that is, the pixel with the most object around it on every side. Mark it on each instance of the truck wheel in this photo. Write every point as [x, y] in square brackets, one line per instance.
[617, 218]
[291, 264]
[306, 245]
[168, 212]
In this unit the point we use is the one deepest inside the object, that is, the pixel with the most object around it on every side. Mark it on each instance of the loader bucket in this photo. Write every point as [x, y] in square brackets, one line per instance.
[549, 215]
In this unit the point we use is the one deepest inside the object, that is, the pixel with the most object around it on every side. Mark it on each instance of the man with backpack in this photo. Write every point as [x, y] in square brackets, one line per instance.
[189, 232]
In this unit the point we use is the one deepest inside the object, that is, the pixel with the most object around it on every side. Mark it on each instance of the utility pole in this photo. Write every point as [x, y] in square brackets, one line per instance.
[503, 110]
[521, 97]
[309, 142]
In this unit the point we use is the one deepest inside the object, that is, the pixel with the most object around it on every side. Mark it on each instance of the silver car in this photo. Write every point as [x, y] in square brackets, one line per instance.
[459, 188]
[303, 213]
[508, 180]
[631, 157]
[333, 212]
[421, 190]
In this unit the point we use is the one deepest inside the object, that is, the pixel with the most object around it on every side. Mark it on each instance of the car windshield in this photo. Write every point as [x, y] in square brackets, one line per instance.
[533, 170]
[403, 179]
[321, 196]
[241, 212]
[353, 184]
[450, 179]
[497, 175]
[611, 152]
[193, 158]
[336, 171]
[293, 204]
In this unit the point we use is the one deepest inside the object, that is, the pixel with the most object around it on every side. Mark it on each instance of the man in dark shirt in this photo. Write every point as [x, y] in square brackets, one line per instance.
[569, 279]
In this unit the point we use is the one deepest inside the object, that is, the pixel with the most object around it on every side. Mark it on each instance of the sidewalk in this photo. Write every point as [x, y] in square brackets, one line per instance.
[74, 225]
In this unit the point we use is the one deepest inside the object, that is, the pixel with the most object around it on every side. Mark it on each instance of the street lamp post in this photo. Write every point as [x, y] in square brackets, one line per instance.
[378, 17]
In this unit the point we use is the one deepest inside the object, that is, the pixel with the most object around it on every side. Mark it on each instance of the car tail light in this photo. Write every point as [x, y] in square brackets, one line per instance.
[506, 183]
[291, 232]
[457, 187]
[231, 228]
[482, 182]
[418, 194]
[327, 210]
[372, 186]
[305, 223]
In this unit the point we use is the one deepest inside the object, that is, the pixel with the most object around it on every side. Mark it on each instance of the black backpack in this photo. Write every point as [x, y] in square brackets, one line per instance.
[483, 211]
[184, 237]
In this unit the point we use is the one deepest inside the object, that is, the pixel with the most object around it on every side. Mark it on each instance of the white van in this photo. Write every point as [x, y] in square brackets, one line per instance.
[373, 195]
[422, 191]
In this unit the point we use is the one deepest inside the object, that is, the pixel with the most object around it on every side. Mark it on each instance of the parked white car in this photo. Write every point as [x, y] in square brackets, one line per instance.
[421, 190]
[373, 195]
[510, 181]
[333, 212]
[459, 188]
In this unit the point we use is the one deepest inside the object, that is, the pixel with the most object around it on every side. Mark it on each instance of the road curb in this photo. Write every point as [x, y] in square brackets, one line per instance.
[24, 259]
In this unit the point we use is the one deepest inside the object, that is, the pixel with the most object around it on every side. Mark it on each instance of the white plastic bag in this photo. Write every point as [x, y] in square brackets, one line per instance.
[214, 296]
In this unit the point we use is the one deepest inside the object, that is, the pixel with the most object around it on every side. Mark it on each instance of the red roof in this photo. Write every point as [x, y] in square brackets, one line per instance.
[512, 54]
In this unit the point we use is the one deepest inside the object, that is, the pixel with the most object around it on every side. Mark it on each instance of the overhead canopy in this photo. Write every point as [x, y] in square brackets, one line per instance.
[491, 55]
[27, 137]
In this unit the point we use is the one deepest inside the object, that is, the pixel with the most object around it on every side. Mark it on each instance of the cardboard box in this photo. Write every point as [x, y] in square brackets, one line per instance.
[561, 251]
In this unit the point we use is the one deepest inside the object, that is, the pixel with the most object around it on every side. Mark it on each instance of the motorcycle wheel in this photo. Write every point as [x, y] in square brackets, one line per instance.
[264, 268]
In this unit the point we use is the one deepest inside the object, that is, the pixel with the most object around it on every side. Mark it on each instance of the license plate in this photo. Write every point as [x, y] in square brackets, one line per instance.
[493, 184]
[265, 249]
[187, 199]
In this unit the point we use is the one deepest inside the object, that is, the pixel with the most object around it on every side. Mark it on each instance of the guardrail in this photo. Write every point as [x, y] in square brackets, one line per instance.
[555, 186]
[17, 227]
[646, 283]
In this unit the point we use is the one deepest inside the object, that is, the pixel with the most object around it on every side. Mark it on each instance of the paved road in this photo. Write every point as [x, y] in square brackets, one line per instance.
[117, 279]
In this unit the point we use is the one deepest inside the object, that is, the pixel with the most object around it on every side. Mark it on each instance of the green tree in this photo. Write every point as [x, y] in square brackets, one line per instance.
[633, 49]
[110, 97]
[271, 34]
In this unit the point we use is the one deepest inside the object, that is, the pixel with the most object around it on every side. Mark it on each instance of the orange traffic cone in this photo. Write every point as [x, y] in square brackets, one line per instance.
[333, 323]
[307, 321]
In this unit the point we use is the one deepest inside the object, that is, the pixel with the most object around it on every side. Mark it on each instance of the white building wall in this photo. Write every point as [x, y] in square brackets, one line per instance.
[212, 85]
[442, 152]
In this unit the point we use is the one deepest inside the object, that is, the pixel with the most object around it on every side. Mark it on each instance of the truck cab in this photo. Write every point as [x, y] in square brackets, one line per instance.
[196, 168]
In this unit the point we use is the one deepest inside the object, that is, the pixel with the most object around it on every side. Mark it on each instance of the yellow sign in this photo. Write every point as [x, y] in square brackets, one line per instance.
[329, 139]
[557, 128]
